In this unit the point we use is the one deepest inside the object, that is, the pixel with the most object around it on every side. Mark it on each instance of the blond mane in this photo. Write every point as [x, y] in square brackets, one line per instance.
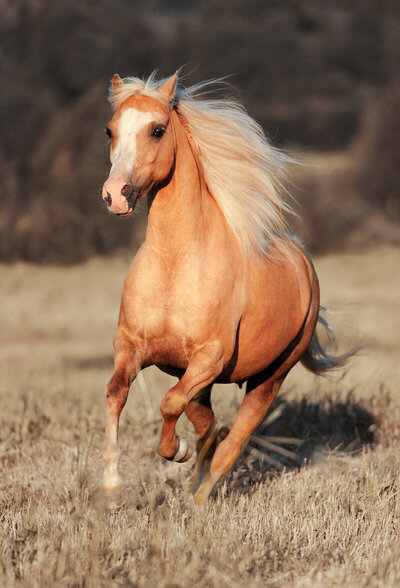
[243, 171]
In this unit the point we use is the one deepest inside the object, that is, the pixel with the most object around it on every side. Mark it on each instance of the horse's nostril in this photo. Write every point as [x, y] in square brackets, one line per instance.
[127, 191]
[108, 199]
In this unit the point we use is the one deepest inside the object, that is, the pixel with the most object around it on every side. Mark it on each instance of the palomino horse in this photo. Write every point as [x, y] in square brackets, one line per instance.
[218, 291]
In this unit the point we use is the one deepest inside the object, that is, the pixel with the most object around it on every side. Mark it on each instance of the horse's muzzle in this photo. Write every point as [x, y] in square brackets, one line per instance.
[120, 197]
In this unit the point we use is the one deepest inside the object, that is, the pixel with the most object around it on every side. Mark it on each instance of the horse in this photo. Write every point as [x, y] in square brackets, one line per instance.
[219, 291]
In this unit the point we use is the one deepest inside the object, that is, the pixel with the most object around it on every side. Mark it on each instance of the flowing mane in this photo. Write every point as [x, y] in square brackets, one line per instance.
[243, 171]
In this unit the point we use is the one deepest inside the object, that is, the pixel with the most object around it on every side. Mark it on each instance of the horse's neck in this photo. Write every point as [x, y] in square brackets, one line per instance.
[178, 211]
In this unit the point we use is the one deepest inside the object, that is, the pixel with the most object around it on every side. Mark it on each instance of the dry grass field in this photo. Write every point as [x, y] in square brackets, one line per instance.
[331, 520]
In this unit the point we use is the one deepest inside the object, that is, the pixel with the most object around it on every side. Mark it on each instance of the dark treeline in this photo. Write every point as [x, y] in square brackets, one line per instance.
[319, 76]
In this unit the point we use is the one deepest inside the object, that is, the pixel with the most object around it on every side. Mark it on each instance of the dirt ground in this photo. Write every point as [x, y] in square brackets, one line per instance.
[331, 520]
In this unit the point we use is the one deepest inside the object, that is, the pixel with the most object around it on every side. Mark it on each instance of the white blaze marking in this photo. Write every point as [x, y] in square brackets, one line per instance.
[129, 125]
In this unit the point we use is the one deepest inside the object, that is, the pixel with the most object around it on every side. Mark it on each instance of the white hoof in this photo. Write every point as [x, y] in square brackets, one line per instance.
[184, 451]
[111, 482]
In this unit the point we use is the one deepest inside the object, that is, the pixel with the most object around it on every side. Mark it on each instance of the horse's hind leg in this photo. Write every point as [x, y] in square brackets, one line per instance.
[126, 368]
[255, 405]
[201, 415]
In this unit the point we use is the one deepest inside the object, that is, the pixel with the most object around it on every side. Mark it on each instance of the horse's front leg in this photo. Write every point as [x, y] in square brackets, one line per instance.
[127, 366]
[204, 366]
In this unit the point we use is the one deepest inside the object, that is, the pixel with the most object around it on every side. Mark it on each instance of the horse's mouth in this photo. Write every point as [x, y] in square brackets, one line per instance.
[132, 201]
[124, 213]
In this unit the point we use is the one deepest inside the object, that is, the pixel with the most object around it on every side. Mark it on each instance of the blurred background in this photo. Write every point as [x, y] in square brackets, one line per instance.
[322, 77]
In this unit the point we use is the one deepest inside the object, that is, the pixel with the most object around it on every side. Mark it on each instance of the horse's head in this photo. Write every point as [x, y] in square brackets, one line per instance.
[142, 145]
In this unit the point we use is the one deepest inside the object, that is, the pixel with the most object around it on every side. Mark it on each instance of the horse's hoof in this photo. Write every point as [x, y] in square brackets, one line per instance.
[112, 482]
[111, 490]
[198, 501]
[191, 505]
[184, 452]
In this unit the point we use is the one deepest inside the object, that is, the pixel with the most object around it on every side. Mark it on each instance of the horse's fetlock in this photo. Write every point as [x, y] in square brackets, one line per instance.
[111, 455]
[165, 450]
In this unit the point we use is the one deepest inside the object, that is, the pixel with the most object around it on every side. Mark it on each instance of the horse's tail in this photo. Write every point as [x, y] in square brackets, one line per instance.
[317, 359]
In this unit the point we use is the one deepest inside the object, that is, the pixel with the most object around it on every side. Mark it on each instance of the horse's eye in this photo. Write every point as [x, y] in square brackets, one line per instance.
[158, 131]
[108, 132]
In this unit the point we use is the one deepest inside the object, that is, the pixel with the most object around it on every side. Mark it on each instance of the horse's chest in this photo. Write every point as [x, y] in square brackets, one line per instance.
[169, 321]
[169, 337]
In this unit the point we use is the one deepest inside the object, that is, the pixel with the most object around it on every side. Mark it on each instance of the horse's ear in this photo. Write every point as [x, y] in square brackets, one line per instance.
[116, 82]
[168, 89]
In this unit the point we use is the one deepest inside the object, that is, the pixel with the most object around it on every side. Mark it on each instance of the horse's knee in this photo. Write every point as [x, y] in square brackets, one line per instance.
[117, 391]
[114, 385]
[173, 403]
